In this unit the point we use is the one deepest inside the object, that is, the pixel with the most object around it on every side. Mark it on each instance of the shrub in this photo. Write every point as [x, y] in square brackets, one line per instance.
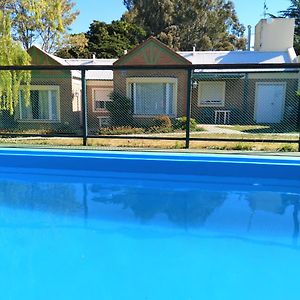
[121, 109]
[181, 123]
[158, 129]
[244, 147]
[120, 130]
[286, 148]
[162, 121]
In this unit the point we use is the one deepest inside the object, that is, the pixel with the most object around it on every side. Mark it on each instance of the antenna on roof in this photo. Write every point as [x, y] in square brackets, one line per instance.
[266, 8]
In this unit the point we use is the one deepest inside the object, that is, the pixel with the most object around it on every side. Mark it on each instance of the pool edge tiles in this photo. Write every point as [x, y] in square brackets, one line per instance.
[167, 163]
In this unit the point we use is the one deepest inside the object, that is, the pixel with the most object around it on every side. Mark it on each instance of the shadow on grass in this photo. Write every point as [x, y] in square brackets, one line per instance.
[272, 128]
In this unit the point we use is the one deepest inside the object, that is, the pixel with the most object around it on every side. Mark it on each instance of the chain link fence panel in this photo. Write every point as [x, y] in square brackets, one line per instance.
[148, 108]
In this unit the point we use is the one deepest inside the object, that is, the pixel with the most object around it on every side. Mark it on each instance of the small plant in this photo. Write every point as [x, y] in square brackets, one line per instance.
[121, 130]
[158, 129]
[241, 146]
[180, 123]
[286, 148]
[178, 145]
[160, 124]
[162, 121]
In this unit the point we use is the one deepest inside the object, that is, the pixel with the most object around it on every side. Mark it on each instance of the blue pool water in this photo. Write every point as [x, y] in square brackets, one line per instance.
[95, 225]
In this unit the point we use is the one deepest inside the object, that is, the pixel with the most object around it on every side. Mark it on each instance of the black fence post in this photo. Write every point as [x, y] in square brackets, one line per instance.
[84, 108]
[298, 125]
[188, 109]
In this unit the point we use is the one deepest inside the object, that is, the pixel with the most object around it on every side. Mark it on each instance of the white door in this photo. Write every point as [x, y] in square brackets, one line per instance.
[269, 102]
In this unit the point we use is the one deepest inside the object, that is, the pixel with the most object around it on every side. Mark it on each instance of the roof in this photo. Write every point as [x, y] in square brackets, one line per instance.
[152, 51]
[235, 57]
[194, 57]
[240, 57]
[93, 74]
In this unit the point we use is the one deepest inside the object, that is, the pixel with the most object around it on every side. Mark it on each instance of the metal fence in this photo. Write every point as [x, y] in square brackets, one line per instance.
[232, 107]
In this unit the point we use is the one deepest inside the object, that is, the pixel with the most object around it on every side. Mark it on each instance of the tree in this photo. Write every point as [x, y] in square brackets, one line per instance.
[121, 109]
[11, 53]
[74, 46]
[181, 24]
[111, 40]
[39, 20]
[154, 15]
[294, 12]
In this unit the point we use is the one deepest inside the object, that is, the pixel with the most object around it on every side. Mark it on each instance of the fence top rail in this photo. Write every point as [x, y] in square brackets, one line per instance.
[199, 67]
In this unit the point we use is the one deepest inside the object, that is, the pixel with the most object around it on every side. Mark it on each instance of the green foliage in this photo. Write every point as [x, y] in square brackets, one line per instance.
[159, 129]
[40, 20]
[121, 130]
[74, 46]
[111, 40]
[162, 121]
[11, 53]
[121, 109]
[243, 147]
[181, 24]
[287, 148]
[161, 124]
[181, 122]
[293, 11]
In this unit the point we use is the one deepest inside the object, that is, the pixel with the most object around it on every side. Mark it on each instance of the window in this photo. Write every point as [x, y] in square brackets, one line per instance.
[153, 96]
[100, 98]
[211, 93]
[43, 104]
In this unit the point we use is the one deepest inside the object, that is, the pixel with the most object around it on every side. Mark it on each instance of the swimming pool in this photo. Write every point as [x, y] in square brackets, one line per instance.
[115, 225]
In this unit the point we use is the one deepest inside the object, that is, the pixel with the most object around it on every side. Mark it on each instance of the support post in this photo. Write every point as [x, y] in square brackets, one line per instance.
[188, 109]
[298, 125]
[84, 109]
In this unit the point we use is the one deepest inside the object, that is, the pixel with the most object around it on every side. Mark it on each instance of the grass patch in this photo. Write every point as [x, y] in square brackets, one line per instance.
[148, 144]
[261, 129]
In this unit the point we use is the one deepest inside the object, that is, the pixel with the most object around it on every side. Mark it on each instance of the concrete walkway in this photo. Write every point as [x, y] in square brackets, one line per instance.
[210, 128]
[215, 129]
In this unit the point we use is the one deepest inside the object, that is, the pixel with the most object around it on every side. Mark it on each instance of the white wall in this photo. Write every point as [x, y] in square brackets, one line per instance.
[274, 34]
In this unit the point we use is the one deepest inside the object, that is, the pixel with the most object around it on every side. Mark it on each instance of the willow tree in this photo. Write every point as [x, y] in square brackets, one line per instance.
[12, 54]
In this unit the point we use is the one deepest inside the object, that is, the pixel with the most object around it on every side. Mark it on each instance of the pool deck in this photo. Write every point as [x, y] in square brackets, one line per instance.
[137, 149]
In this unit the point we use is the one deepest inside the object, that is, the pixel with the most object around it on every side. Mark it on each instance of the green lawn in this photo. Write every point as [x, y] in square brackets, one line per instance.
[277, 128]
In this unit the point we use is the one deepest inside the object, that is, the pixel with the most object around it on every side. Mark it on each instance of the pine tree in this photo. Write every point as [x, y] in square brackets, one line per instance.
[294, 12]
[182, 24]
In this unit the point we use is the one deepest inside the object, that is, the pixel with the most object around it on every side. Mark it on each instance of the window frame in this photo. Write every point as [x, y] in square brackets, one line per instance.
[42, 88]
[223, 92]
[161, 80]
[93, 99]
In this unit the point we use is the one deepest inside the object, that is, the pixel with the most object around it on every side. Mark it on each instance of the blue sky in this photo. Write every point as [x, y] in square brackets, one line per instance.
[249, 11]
